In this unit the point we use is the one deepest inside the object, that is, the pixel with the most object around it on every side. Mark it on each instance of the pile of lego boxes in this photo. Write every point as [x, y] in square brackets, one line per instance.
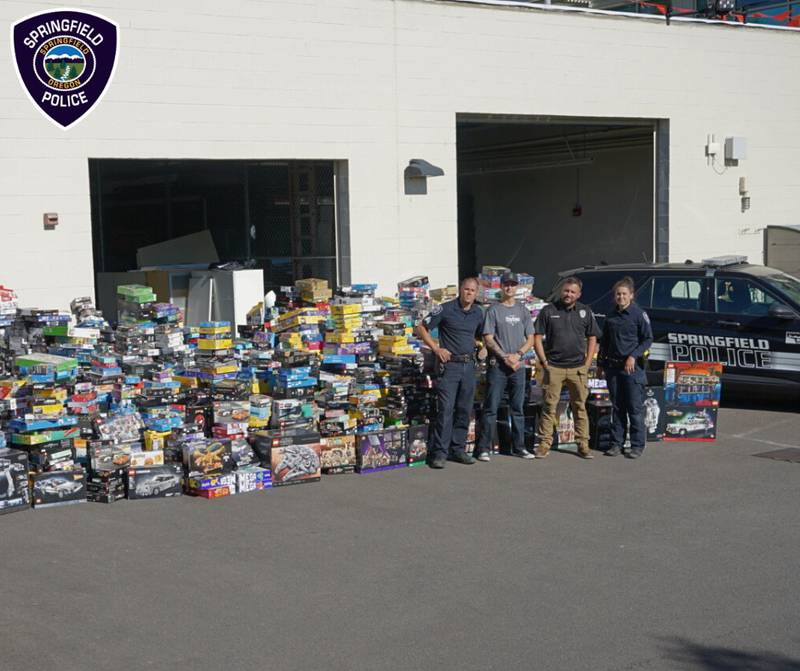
[321, 382]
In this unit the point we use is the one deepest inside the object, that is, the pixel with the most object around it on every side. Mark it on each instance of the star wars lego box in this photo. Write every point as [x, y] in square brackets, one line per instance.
[295, 457]
[253, 478]
[381, 451]
[690, 423]
[338, 454]
[417, 442]
[655, 413]
[14, 491]
[696, 383]
[154, 481]
[56, 488]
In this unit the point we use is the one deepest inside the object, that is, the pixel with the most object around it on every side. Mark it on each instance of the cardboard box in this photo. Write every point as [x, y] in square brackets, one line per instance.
[252, 478]
[655, 413]
[208, 457]
[417, 444]
[695, 383]
[338, 454]
[295, 457]
[381, 450]
[154, 481]
[199, 482]
[690, 423]
[58, 488]
[14, 491]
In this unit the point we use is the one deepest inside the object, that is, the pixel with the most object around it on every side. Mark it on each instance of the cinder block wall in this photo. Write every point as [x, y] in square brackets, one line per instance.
[378, 82]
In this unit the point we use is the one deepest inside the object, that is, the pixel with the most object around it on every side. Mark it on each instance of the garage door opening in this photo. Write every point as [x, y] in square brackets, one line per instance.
[289, 217]
[542, 195]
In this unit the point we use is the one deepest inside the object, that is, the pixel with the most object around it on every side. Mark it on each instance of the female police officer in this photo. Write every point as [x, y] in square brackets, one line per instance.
[626, 337]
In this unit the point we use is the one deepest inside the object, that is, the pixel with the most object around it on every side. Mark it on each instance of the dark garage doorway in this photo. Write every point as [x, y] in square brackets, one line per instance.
[285, 215]
[546, 194]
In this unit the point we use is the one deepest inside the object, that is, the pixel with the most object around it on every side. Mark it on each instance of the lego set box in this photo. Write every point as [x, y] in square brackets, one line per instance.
[690, 423]
[338, 454]
[154, 481]
[54, 488]
[14, 492]
[381, 451]
[295, 457]
[417, 442]
[655, 413]
[693, 384]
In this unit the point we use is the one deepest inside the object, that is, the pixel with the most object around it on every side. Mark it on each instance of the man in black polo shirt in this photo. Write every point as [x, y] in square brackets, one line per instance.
[460, 323]
[565, 340]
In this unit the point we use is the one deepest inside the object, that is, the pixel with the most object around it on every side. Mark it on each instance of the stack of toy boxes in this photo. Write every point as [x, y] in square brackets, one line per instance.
[209, 467]
[525, 287]
[78, 342]
[692, 393]
[46, 432]
[86, 314]
[365, 394]
[8, 306]
[413, 295]
[448, 293]
[313, 290]
[214, 357]
[299, 329]
[489, 283]
[14, 488]
[133, 303]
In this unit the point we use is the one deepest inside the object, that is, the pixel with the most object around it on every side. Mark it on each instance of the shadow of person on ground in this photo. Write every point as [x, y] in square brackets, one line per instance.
[690, 655]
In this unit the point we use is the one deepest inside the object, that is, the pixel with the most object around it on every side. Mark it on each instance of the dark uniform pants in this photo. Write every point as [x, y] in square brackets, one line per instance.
[500, 377]
[627, 397]
[456, 393]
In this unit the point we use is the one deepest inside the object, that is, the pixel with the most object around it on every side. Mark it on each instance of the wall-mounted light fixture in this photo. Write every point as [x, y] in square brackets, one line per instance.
[744, 194]
[416, 176]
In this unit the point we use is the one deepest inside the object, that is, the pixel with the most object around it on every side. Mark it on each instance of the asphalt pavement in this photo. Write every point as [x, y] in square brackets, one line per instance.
[684, 559]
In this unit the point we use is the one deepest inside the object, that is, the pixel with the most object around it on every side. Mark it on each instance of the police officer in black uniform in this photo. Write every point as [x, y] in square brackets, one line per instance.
[460, 324]
[626, 337]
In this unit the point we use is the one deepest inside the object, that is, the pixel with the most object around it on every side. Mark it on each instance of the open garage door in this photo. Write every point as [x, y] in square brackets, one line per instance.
[782, 248]
[542, 195]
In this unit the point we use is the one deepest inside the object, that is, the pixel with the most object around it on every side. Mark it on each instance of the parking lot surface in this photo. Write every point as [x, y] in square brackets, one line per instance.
[684, 559]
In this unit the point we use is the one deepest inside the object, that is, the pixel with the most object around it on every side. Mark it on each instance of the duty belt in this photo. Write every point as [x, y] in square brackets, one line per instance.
[462, 358]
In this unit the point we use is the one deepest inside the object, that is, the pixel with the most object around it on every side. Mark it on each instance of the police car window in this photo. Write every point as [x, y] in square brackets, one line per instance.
[738, 296]
[644, 294]
[677, 293]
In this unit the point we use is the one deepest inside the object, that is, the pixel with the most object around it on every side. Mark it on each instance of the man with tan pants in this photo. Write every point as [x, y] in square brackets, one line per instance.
[565, 339]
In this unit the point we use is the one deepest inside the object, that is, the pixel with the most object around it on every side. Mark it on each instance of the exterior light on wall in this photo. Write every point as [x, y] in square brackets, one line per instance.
[416, 176]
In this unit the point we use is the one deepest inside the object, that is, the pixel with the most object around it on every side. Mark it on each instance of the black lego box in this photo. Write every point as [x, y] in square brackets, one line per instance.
[381, 450]
[417, 444]
[208, 457]
[338, 454]
[154, 481]
[655, 413]
[56, 488]
[295, 457]
[599, 412]
[47, 456]
[14, 491]
[690, 423]
[106, 486]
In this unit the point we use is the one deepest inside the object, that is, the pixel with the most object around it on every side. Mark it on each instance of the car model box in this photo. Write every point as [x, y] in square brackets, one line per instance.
[381, 451]
[154, 481]
[417, 444]
[690, 423]
[14, 491]
[338, 454]
[55, 488]
[295, 457]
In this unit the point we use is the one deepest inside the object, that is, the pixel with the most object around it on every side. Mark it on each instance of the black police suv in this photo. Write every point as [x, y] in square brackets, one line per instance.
[722, 309]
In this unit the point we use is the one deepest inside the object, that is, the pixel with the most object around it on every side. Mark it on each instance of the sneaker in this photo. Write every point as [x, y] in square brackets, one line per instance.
[634, 454]
[462, 457]
[523, 454]
[586, 455]
[613, 451]
[483, 456]
[438, 461]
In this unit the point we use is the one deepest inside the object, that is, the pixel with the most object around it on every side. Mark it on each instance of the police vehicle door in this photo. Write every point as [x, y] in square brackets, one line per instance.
[679, 311]
[752, 342]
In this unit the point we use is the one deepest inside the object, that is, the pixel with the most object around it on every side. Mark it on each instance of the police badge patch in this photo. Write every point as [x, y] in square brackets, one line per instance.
[65, 60]
[582, 313]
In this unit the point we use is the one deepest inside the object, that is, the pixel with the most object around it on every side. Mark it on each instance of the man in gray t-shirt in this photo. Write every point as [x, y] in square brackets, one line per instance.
[508, 333]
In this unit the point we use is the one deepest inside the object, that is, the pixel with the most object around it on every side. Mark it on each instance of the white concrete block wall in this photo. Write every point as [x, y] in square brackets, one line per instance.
[378, 82]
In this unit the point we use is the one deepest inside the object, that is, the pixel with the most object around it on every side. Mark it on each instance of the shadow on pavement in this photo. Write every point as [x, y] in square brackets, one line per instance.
[689, 655]
[762, 400]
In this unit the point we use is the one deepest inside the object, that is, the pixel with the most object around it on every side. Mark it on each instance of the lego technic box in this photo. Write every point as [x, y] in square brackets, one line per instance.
[154, 481]
[690, 423]
[417, 443]
[55, 488]
[338, 454]
[14, 491]
[295, 457]
[381, 451]
[655, 413]
[696, 383]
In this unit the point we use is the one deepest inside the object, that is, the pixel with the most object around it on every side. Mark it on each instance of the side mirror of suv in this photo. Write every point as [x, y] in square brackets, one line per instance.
[781, 311]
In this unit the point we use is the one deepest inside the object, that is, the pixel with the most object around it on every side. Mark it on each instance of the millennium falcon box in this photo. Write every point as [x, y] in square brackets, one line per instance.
[208, 457]
[56, 488]
[338, 454]
[154, 481]
[381, 451]
[417, 445]
[14, 491]
[295, 457]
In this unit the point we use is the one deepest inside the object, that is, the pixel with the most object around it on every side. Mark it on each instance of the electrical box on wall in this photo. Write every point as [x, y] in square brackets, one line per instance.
[735, 148]
[50, 220]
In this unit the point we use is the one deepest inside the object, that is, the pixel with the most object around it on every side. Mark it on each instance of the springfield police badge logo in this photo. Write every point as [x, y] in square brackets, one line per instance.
[65, 60]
